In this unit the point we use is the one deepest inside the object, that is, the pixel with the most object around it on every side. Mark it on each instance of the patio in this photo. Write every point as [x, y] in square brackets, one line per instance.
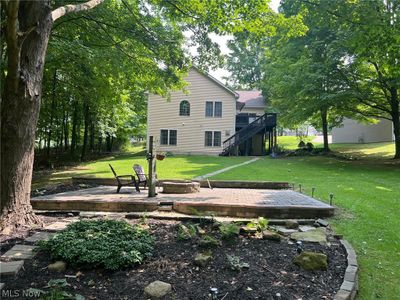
[218, 201]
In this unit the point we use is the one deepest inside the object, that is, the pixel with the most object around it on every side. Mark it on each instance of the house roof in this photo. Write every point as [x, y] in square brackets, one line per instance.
[216, 81]
[251, 99]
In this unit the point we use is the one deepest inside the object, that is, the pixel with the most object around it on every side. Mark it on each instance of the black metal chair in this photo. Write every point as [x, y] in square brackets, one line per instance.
[142, 177]
[121, 183]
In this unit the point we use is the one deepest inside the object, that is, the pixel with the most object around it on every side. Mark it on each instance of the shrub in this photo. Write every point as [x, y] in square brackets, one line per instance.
[301, 144]
[229, 230]
[208, 242]
[260, 224]
[111, 244]
[236, 264]
[309, 146]
[186, 232]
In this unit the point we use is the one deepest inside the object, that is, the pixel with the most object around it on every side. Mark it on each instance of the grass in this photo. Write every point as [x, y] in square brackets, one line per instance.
[174, 167]
[368, 193]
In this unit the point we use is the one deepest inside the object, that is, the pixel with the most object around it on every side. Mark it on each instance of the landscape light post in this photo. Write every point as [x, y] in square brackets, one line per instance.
[152, 169]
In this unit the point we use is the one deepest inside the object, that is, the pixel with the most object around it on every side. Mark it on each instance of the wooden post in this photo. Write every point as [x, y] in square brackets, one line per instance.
[152, 168]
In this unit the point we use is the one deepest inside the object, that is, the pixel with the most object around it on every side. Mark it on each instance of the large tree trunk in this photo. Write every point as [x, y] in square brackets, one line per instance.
[20, 107]
[324, 120]
[395, 106]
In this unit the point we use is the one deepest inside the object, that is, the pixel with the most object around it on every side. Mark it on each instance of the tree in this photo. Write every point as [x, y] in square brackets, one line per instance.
[371, 35]
[27, 31]
[27, 28]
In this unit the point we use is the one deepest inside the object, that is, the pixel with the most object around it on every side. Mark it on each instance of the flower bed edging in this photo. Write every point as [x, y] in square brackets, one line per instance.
[349, 287]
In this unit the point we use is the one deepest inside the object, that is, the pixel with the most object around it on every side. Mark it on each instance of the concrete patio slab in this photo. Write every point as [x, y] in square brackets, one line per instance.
[231, 202]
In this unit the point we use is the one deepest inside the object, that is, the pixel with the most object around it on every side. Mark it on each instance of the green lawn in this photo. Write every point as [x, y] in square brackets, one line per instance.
[368, 193]
[179, 167]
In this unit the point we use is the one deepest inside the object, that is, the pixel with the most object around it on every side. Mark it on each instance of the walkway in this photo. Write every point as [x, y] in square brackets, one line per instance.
[225, 169]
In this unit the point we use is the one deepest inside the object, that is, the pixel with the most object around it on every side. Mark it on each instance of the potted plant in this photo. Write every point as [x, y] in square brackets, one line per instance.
[160, 156]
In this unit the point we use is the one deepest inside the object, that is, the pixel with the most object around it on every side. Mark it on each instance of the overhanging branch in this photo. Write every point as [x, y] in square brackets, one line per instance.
[63, 10]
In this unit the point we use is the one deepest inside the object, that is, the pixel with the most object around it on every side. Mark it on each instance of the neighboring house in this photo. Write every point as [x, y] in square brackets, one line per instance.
[209, 119]
[352, 131]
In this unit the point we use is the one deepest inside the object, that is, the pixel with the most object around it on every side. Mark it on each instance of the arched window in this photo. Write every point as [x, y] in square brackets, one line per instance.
[184, 108]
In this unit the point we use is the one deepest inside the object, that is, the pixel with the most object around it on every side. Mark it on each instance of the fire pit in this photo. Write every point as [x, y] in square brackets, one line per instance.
[182, 187]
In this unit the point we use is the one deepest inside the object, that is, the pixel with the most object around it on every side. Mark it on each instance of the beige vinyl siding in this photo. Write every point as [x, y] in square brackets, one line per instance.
[163, 114]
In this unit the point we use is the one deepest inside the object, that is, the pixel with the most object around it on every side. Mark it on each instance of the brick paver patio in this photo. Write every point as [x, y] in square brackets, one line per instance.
[224, 201]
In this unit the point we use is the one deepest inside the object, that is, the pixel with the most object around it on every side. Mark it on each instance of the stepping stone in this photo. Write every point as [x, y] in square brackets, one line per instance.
[57, 226]
[20, 252]
[40, 236]
[10, 268]
[305, 228]
[284, 231]
[316, 235]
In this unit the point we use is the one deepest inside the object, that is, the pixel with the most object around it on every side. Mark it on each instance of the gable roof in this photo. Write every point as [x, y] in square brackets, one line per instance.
[251, 99]
[216, 81]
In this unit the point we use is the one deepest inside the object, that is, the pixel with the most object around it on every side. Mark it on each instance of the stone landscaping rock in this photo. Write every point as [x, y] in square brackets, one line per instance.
[291, 224]
[248, 230]
[20, 252]
[305, 228]
[10, 268]
[271, 235]
[312, 261]
[39, 236]
[316, 235]
[284, 231]
[157, 289]
[322, 222]
[57, 226]
[202, 259]
[58, 266]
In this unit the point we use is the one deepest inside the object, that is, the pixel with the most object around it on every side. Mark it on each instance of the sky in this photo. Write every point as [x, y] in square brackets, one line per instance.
[222, 40]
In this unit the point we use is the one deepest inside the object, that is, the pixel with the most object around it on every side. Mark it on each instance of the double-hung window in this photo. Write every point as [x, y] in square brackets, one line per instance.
[168, 137]
[214, 109]
[212, 139]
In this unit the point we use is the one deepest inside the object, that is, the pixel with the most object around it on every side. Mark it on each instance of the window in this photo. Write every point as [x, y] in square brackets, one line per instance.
[208, 139]
[214, 109]
[184, 108]
[164, 137]
[212, 139]
[172, 137]
[209, 108]
[168, 137]
[217, 138]
[218, 109]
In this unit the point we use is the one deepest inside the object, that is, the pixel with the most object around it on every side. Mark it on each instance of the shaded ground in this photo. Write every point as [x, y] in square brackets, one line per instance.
[271, 271]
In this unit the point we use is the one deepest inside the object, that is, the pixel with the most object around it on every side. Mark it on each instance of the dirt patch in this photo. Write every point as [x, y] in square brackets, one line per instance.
[271, 273]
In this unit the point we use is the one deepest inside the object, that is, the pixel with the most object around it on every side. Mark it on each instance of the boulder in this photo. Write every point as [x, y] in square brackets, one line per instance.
[271, 235]
[157, 289]
[291, 224]
[58, 266]
[316, 235]
[202, 259]
[312, 261]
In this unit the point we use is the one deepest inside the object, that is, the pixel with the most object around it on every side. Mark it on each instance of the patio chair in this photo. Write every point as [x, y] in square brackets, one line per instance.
[121, 183]
[142, 177]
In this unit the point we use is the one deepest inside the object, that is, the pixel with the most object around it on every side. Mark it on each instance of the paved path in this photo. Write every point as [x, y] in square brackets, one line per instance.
[225, 169]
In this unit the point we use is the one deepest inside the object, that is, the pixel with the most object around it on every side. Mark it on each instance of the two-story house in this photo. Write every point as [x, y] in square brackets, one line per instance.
[210, 119]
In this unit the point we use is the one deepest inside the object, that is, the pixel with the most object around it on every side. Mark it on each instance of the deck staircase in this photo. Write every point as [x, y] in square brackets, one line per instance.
[264, 123]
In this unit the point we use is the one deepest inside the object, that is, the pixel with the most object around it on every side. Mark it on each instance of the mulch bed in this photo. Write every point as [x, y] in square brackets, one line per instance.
[272, 274]
[60, 188]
